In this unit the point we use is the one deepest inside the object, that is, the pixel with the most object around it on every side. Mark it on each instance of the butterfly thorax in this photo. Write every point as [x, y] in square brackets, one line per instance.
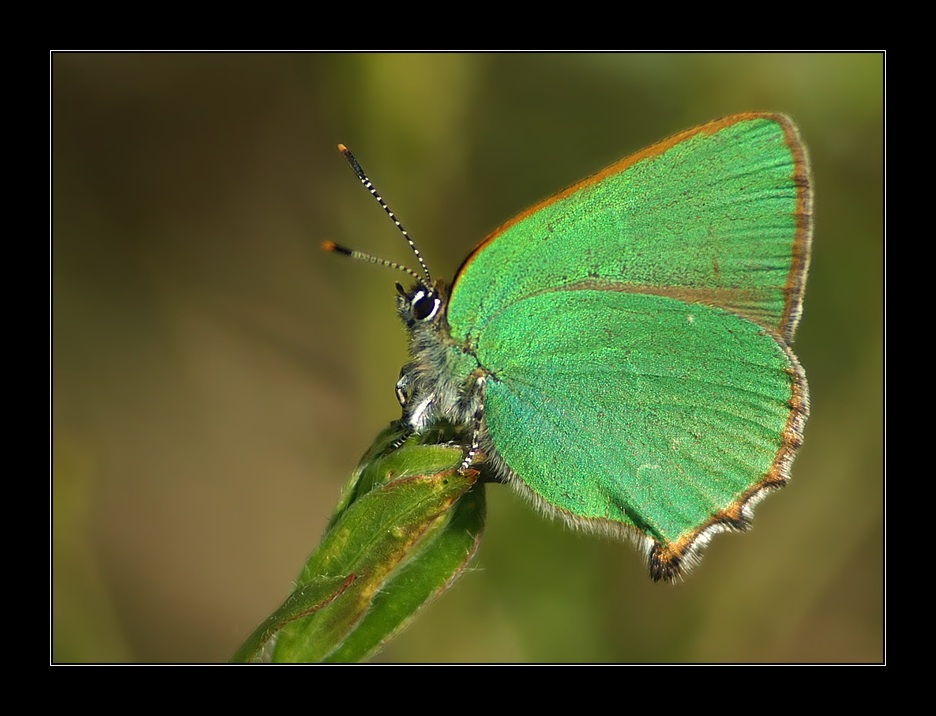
[444, 380]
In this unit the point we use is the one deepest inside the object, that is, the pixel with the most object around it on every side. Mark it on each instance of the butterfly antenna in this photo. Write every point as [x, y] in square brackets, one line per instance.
[355, 165]
[361, 256]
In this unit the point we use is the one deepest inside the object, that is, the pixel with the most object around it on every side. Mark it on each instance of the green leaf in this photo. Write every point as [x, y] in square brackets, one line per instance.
[407, 525]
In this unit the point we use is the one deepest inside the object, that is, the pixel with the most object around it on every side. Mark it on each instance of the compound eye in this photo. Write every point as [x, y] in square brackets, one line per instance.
[425, 305]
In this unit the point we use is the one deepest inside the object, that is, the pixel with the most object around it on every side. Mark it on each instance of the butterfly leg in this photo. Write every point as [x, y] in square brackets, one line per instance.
[476, 397]
[407, 433]
[416, 405]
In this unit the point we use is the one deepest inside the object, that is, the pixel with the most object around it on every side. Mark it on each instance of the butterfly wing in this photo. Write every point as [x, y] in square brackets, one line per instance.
[635, 326]
[626, 412]
[719, 214]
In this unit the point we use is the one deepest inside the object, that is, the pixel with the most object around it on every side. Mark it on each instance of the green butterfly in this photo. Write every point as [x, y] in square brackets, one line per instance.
[620, 353]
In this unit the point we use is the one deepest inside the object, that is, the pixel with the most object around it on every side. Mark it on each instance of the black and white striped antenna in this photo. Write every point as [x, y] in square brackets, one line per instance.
[362, 256]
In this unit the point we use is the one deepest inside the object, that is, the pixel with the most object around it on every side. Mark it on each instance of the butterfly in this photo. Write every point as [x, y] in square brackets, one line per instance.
[620, 352]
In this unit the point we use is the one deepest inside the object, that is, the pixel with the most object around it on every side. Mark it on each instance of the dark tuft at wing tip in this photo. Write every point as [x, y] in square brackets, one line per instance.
[664, 568]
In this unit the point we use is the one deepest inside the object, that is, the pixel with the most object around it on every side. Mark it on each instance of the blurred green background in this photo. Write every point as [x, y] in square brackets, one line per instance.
[215, 376]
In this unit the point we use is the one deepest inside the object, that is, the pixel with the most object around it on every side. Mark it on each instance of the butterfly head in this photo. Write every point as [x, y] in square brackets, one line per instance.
[421, 305]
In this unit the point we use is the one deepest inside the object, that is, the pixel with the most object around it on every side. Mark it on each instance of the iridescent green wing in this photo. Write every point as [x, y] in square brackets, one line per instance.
[636, 328]
[719, 214]
[633, 413]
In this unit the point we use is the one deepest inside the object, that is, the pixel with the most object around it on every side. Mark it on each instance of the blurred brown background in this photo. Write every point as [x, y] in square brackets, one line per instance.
[215, 376]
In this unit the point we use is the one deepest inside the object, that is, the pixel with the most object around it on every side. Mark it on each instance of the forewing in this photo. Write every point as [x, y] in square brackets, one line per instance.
[720, 215]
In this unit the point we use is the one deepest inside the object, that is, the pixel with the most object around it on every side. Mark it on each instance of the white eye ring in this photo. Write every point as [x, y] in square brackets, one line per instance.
[419, 296]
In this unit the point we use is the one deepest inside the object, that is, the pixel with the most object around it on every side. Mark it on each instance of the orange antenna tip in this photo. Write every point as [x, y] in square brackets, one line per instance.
[336, 248]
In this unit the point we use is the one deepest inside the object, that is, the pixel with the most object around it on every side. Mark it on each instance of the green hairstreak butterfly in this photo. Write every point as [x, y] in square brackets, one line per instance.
[620, 352]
